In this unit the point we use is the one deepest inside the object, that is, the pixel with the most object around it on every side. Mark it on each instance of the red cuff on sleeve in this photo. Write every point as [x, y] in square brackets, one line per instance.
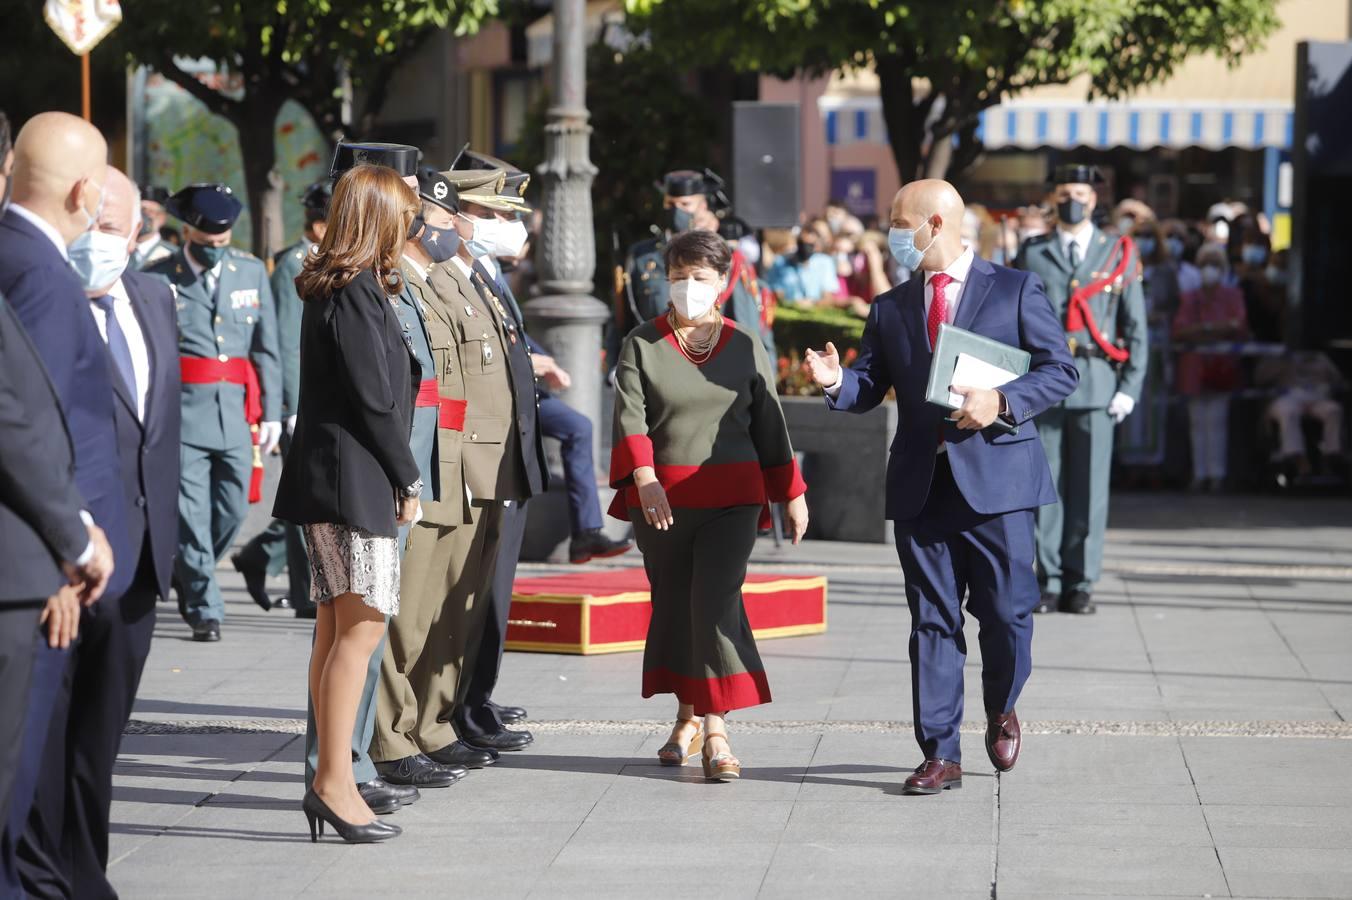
[632, 451]
[784, 483]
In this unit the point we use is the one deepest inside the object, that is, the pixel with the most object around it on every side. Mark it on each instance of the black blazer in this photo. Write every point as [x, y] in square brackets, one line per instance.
[349, 453]
[149, 447]
[39, 505]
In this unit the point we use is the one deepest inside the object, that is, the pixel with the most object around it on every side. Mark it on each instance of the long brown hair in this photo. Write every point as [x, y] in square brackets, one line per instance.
[368, 223]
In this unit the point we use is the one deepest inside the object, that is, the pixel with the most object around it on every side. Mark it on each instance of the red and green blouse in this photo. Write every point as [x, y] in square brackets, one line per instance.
[715, 432]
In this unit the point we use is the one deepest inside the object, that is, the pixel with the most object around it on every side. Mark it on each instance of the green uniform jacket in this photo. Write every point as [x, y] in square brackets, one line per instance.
[286, 266]
[1119, 311]
[645, 272]
[240, 320]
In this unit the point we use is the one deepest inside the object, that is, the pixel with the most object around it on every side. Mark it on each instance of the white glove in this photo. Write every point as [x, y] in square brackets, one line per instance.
[1120, 407]
[290, 423]
[269, 436]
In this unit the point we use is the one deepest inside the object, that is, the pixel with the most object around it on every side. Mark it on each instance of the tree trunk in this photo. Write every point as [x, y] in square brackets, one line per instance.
[904, 118]
[263, 184]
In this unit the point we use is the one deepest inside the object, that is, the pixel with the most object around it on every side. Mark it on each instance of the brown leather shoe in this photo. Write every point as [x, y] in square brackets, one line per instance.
[933, 777]
[1003, 739]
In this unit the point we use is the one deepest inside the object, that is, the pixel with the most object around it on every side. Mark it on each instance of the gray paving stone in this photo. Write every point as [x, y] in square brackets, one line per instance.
[1080, 870]
[1288, 871]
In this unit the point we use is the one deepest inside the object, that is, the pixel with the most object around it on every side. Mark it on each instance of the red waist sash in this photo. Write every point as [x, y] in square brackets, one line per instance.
[233, 370]
[427, 393]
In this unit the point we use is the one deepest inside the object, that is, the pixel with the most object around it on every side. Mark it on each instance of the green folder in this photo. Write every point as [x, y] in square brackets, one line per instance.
[954, 342]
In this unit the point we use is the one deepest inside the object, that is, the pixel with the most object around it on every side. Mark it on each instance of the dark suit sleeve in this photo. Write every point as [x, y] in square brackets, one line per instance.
[358, 329]
[1051, 375]
[42, 494]
[866, 382]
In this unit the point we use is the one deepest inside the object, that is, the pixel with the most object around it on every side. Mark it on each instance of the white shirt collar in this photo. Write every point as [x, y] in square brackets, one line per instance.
[42, 225]
[144, 247]
[958, 269]
[423, 271]
[1080, 238]
[463, 266]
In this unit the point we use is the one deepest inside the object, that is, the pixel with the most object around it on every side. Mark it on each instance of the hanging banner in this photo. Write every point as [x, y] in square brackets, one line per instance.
[81, 24]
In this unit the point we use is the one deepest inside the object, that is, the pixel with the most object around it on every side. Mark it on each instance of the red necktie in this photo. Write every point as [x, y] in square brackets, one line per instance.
[938, 311]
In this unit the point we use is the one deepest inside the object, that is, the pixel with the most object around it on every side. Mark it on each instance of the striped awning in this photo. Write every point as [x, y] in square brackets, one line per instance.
[1137, 124]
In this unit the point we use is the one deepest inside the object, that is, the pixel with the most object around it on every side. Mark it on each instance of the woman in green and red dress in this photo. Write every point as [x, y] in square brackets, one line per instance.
[701, 448]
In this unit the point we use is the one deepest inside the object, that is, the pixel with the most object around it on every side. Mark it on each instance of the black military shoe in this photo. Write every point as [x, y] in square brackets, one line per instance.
[458, 754]
[594, 544]
[501, 741]
[508, 715]
[418, 771]
[1078, 603]
[207, 632]
[383, 798]
[255, 581]
[1047, 603]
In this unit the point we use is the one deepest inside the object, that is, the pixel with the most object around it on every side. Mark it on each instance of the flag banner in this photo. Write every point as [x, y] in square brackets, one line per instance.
[81, 24]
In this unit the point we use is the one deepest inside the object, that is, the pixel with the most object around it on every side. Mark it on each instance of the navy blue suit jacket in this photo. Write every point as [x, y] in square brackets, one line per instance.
[996, 472]
[149, 447]
[51, 304]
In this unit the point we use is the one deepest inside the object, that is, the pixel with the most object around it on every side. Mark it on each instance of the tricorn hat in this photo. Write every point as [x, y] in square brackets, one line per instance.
[154, 193]
[1076, 173]
[438, 189]
[210, 208]
[316, 197]
[683, 183]
[400, 157]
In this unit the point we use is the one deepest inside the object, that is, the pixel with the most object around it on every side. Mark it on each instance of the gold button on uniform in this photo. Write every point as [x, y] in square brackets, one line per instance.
[474, 435]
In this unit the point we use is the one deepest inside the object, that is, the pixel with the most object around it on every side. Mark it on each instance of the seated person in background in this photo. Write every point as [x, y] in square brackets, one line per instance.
[802, 272]
[1213, 313]
[1306, 381]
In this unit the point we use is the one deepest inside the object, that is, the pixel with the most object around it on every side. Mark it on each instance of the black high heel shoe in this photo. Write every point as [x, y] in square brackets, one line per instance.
[317, 812]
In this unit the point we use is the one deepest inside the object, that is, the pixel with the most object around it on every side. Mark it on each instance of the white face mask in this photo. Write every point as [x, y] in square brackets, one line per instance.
[509, 238]
[481, 242]
[99, 259]
[693, 299]
[1211, 274]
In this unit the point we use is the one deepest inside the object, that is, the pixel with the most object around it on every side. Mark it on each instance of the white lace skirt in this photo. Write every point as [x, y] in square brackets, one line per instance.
[346, 560]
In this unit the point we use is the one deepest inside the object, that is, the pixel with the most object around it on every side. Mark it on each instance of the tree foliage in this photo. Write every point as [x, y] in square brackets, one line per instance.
[941, 63]
[320, 53]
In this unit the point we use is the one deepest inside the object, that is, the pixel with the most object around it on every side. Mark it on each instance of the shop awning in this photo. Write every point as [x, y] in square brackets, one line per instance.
[1137, 124]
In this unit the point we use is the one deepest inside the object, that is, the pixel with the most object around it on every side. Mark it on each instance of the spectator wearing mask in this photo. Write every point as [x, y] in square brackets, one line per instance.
[1212, 314]
[1141, 437]
[840, 220]
[151, 245]
[1180, 247]
[804, 272]
[1262, 302]
[1306, 381]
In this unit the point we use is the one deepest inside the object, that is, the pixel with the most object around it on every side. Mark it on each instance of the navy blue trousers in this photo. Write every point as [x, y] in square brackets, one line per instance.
[946, 552]
[574, 431]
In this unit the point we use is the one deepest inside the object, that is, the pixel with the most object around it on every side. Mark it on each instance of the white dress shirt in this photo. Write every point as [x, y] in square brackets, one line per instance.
[1079, 238]
[42, 225]
[136, 342]
[464, 267]
[423, 271]
[144, 247]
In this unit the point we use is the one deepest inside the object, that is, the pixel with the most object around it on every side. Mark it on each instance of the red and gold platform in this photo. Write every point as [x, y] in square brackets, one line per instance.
[607, 611]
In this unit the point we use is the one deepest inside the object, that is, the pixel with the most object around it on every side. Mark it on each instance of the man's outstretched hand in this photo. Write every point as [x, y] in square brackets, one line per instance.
[824, 367]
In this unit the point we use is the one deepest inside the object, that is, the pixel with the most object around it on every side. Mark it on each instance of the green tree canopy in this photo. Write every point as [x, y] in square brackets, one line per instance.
[941, 64]
[320, 53]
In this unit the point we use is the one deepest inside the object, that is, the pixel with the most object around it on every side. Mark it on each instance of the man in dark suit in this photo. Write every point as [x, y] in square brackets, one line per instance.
[64, 850]
[961, 495]
[58, 174]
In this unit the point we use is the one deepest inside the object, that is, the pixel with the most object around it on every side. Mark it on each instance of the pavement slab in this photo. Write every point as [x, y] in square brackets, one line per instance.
[1190, 740]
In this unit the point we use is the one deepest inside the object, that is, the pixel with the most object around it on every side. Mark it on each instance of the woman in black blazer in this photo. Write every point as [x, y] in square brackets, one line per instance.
[350, 478]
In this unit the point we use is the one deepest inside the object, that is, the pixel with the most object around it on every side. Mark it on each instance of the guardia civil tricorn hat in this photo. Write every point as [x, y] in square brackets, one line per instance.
[400, 157]
[210, 208]
[316, 197]
[1075, 173]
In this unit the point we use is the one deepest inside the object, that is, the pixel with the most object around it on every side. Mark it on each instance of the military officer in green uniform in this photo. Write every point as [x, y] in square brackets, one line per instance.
[232, 380]
[644, 289]
[1093, 281]
[281, 545]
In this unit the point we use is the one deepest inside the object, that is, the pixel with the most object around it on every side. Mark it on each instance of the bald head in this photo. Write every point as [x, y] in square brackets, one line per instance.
[121, 213]
[59, 165]
[934, 209]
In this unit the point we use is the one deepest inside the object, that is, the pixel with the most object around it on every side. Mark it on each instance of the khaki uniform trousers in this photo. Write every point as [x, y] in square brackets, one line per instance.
[441, 615]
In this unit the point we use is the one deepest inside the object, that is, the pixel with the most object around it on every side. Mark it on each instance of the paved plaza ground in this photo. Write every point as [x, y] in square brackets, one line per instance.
[1190, 740]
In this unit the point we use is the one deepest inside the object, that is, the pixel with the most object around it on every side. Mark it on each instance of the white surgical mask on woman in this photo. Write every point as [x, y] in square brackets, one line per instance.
[99, 258]
[693, 299]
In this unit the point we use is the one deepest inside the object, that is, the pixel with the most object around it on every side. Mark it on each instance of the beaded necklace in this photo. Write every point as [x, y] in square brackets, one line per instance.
[696, 350]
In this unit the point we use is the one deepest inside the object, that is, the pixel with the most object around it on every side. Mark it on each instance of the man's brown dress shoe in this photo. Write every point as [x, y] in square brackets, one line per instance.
[933, 777]
[1003, 739]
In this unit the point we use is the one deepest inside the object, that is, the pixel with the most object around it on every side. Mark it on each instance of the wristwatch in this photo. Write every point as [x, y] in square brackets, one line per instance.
[413, 490]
